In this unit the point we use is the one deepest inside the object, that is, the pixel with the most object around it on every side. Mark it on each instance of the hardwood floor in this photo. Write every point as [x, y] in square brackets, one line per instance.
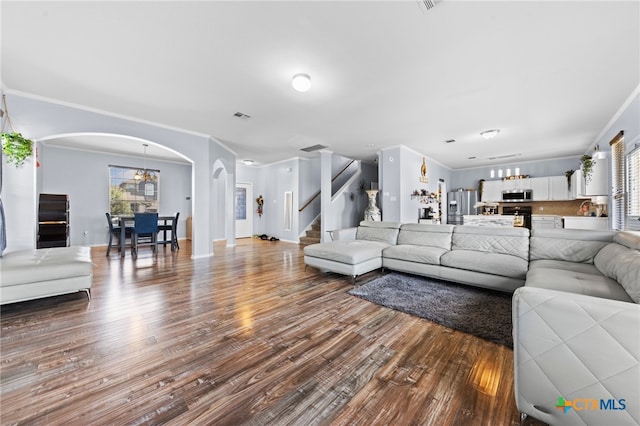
[244, 337]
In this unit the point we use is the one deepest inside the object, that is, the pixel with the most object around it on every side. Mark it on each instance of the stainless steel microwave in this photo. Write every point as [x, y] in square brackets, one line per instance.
[518, 195]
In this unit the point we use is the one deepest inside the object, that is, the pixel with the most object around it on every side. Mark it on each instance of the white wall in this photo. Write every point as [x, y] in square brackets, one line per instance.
[400, 177]
[19, 204]
[84, 176]
[39, 118]
[272, 181]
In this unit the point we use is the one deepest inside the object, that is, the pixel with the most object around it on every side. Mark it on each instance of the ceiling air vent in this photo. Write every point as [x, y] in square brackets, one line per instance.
[242, 115]
[426, 5]
[502, 157]
[450, 141]
[313, 148]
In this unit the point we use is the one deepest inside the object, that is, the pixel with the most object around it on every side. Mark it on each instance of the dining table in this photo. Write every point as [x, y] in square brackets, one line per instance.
[127, 223]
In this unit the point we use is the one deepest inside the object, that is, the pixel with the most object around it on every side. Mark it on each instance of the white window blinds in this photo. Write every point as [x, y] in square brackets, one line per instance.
[633, 184]
[617, 181]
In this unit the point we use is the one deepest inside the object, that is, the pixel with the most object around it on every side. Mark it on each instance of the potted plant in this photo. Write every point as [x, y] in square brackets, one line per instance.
[16, 147]
[569, 174]
[587, 163]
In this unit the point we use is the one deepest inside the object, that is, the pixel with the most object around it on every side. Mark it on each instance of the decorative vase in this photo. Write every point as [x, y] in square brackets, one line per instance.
[372, 213]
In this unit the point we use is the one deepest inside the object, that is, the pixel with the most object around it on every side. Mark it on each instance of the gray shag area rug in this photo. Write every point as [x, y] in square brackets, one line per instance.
[481, 312]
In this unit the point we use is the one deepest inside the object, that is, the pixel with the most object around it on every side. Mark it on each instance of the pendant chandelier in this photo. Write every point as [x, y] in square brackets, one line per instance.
[145, 174]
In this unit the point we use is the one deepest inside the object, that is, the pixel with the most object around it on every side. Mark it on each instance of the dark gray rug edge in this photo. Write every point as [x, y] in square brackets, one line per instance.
[478, 311]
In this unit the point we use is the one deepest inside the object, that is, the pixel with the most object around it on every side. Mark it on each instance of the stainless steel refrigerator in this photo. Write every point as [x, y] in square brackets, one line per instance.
[459, 203]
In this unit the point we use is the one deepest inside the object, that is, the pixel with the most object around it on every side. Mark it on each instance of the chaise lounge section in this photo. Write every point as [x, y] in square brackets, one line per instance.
[34, 274]
[353, 251]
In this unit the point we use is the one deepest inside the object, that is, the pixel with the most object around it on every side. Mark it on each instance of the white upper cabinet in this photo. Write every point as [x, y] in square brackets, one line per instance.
[492, 191]
[540, 188]
[558, 188]
[577, 185]
[598, 184]
[515, 184]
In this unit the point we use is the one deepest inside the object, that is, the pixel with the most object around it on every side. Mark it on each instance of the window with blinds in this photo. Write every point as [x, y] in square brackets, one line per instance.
[633, 186]
[617, 180]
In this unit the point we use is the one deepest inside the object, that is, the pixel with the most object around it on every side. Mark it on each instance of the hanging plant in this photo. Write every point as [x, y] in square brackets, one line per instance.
[16, 147]
[587, 164]
[569, 174]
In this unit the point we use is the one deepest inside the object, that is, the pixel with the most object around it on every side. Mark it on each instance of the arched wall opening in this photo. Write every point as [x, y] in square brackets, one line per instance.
[79, 164]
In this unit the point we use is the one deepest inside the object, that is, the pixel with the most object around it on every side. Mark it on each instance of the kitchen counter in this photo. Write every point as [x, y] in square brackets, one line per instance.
[488, 220]
[539, 221]
[585, 222]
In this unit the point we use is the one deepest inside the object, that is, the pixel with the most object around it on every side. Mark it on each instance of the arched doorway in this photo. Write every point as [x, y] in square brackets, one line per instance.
[80, 165]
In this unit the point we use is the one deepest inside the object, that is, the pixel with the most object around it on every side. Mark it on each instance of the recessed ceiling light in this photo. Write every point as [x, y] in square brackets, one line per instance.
[301, 82]
[242, 115]
[488, 134]
[248, 162]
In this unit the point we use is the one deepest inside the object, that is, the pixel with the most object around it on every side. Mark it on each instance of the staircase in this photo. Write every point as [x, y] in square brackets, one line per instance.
[313, 235]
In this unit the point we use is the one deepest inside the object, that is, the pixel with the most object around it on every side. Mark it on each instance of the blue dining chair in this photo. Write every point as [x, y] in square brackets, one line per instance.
[145, 232]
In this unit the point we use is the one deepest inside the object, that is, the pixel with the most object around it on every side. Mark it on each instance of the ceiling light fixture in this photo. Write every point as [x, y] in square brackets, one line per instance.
[248, 162]
[301, 82]
[145, 174]
[488, 134]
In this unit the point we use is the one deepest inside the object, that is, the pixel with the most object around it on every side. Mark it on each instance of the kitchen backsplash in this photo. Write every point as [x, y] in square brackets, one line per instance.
[559, 208]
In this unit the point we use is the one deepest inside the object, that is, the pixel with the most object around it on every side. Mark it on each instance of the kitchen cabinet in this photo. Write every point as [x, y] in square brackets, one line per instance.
[558, 188]
[577, 185]
[546, 188]
[492, 191]
[516, 184]
[598, 184]
[540, 188]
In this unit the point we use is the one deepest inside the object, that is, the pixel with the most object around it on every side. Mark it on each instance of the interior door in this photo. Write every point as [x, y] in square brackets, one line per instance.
[243, 210]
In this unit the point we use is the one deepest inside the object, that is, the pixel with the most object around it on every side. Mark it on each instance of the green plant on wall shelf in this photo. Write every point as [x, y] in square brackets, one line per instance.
[16, 147]
[587, 164]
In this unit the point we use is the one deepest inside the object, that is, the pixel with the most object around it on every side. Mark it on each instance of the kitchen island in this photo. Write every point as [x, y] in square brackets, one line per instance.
[488, 220]
[586, 222]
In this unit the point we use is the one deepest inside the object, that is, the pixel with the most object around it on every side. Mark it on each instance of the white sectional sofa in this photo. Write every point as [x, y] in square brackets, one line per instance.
[33, 274]
[576, 306]
[495, 257]
[576, 328]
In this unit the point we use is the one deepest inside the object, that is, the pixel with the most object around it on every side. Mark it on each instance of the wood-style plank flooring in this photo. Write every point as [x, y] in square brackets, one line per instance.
[245, 337]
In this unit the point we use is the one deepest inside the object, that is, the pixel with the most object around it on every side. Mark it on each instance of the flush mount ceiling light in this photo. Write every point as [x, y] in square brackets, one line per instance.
[248, 162]
[301, 82]
[488, 134]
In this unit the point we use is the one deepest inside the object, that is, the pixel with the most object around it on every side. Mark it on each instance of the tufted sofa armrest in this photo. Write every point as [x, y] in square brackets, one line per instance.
[579, 348]
[343, 234]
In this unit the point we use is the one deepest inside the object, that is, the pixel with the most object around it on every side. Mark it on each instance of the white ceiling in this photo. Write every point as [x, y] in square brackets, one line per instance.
[550, 75]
